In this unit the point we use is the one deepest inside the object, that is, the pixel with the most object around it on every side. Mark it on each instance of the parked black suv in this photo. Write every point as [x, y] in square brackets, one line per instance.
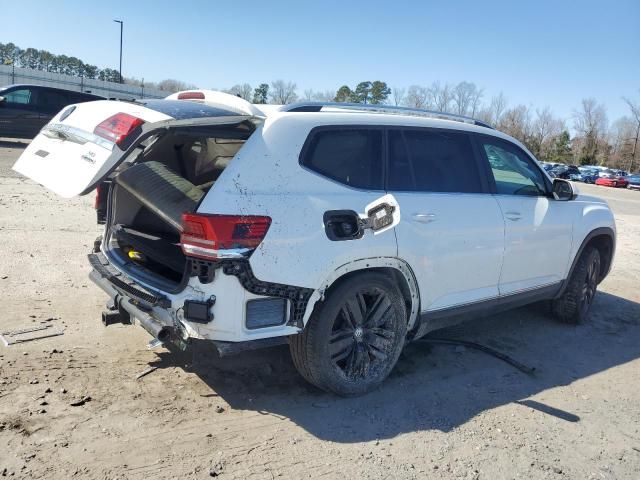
[25, 109]
[565, 171]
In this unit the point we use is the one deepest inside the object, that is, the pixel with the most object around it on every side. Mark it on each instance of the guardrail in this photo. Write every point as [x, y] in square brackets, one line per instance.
[11, 75]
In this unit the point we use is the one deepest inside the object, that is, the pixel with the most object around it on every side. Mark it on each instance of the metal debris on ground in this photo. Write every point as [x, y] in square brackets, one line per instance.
[29, 334]
[146, 372]
[154, 344]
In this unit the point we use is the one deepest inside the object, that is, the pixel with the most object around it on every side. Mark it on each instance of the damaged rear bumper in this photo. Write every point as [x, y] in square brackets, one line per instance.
[149, 308]
[154, 312]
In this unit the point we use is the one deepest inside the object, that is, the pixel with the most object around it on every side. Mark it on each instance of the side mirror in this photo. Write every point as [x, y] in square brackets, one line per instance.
[563, 190]
[2, 100]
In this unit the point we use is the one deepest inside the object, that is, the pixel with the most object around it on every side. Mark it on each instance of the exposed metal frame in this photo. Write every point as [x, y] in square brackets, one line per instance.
[387, 109]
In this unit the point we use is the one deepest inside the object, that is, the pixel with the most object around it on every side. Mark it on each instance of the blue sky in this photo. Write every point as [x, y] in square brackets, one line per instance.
[540, 53]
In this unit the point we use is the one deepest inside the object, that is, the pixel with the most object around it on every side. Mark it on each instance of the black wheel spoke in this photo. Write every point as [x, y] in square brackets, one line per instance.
[593, 275]
[379, 341]
[353, 307]
[382, 332]
[365, 361]
[362, 303]
[347, 317]
[377, 314]
[341, 344]
[359, 360]
[340, 349]
[352, 362]
[377, 354]
[341, 334]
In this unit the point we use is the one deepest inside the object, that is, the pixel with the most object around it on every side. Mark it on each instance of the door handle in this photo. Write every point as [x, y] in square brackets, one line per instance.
[424, 217]
[514, 216]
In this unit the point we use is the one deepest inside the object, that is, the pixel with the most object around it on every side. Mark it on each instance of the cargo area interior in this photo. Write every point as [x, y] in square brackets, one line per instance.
[166, 176]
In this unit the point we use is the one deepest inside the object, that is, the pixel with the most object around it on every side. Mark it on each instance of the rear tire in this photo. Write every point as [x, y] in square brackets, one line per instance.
[574, 304]
[354, 338]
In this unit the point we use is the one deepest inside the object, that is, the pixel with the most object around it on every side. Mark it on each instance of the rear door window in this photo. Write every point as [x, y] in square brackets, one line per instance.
[52, 101]
[351, 156]
[429, 160]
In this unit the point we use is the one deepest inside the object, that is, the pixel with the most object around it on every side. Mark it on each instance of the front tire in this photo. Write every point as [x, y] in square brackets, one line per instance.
[354, 338]
[574, 304]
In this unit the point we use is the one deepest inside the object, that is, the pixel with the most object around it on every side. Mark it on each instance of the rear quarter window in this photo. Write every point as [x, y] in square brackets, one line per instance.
[351, 156]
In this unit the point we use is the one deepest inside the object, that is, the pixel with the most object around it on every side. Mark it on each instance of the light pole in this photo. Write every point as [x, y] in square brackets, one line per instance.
[121, 26]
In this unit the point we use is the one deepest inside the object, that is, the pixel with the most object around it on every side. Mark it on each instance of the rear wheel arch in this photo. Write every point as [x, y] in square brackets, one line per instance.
[394, 268]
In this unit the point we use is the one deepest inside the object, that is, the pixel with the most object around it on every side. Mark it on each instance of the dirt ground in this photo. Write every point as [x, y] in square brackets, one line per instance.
[446, 412]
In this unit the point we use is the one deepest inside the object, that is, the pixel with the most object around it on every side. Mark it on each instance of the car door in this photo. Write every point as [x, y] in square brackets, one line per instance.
[451, 229]
[50, 102]
[538, 229]
[18, 113]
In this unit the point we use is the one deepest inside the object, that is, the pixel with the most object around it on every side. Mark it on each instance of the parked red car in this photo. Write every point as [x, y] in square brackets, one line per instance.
[620, 182]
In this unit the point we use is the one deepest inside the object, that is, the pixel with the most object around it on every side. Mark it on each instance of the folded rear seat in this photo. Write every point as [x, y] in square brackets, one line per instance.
[162, 191]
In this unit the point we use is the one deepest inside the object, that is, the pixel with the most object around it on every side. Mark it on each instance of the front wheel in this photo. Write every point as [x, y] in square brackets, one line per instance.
[574, 304]
[354, 338]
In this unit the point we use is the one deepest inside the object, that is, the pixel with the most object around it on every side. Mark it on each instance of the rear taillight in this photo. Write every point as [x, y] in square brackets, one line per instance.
[191, 96]
[96, 204]
[222, 236]
[118, 127]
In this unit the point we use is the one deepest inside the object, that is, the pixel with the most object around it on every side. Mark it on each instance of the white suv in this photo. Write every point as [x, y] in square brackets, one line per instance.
[344, 230]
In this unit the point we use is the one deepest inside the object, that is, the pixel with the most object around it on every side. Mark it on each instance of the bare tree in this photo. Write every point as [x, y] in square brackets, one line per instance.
[326, 96]
[590, 123]
[398, 95]
[498, 106]
[416, 97]
[622, 140]
[516, 122]
[242, 90]
[440, 97]
[466, 98]
[493, 112]
[171, 85]
[282, 92]
[476, 101]
[544, 129]
[634, 106]
[308, 94]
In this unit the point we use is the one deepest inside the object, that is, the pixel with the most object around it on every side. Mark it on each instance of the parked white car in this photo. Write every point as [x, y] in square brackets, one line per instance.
[344, 230]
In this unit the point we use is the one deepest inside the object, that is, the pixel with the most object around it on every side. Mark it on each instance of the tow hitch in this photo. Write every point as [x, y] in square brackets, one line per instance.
[115, 313]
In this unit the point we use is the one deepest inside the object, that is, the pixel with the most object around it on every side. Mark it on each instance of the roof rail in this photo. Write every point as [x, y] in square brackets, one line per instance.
[389, 109]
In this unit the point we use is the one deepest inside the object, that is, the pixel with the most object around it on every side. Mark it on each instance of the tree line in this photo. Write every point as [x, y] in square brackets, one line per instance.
[595, 140]
[45, 61]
